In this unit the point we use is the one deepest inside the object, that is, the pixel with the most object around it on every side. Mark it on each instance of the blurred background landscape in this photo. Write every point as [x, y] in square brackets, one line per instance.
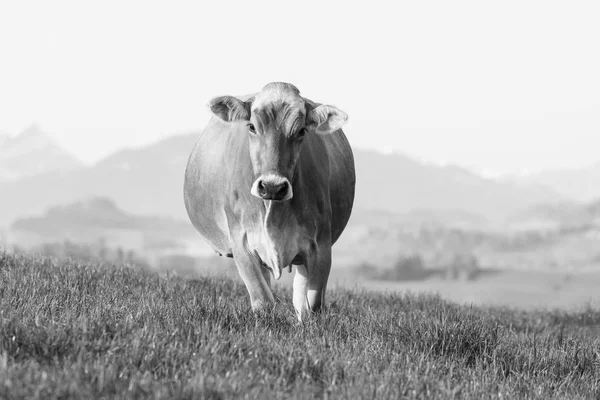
[415, 226]
[474, 127]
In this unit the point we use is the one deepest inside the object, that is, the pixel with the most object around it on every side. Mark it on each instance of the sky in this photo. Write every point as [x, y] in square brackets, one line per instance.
[498, 87]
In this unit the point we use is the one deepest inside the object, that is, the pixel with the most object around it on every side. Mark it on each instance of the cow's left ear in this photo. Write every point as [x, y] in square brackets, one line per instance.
[230, 108]
[326, 119]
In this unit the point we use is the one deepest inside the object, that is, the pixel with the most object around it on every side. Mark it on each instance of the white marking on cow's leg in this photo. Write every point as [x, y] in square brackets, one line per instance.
[300, 286]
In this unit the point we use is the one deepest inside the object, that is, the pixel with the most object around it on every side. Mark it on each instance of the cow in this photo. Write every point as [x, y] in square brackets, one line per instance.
[271, 183]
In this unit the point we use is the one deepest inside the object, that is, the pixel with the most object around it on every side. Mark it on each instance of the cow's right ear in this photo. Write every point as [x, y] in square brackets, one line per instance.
[230, 109]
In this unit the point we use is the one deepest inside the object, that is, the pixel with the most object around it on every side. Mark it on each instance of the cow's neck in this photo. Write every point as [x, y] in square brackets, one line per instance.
[277, 216]
[278, 243]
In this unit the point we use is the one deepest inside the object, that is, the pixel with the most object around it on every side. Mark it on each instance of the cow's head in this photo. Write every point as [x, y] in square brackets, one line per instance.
[277, 119]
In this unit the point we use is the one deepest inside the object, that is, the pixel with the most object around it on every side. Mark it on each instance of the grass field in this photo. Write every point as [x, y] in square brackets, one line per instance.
[72, 330]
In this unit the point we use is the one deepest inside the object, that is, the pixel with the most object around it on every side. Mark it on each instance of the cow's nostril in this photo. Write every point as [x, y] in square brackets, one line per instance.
[262, 190]
[281, 191]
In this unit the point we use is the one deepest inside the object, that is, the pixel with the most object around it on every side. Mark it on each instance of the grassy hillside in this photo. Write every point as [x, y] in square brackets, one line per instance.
[99, 331]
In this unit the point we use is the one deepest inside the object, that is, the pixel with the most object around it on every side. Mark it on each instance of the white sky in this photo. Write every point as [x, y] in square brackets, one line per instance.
[498, 87]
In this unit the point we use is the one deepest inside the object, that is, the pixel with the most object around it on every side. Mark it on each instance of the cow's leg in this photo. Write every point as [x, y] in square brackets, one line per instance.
[310, 283]
[251, 271]
[300, 290]
[318, 273]
[267, 275]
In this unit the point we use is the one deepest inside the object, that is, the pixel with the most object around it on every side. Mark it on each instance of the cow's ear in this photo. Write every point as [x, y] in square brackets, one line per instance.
[230, 109]
[326, 119]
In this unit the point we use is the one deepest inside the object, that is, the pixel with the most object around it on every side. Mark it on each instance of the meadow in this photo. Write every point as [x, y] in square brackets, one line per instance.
[90, 330]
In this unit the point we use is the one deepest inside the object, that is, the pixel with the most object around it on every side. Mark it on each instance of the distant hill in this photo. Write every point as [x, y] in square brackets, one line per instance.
[581, 184]
[98, 221]
[31, 153]
[563, 215]
[419, 218]
[97, 213]
[3, 138]
[149, 180]
[397, 183]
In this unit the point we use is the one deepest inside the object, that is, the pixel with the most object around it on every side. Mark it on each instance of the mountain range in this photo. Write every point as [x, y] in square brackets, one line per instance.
[149, 180]
[99, 213]
[397, 183]
[31, 153]
[580, 184]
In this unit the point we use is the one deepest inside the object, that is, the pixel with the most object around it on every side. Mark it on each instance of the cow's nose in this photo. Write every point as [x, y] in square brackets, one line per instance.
[272, 188]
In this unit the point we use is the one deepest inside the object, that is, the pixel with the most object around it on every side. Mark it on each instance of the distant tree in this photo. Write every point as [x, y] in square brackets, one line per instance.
[103, 253]
[409, 268]
[462, 266]
[120, 255]
[406, 268]
[368, 270]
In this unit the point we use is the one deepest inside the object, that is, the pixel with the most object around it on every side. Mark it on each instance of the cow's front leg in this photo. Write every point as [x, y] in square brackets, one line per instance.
[318, 274]
[300, 289]
[251, 271]
[266, 273]
[310, 282]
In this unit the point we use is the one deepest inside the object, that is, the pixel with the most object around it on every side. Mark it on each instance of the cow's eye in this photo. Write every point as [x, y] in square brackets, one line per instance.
[251, 128]
[301, 132]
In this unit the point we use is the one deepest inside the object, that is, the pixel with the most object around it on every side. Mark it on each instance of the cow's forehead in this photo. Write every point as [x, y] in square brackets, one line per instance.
[278, 93]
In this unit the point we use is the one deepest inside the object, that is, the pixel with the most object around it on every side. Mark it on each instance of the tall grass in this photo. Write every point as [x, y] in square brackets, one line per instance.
[73, 330]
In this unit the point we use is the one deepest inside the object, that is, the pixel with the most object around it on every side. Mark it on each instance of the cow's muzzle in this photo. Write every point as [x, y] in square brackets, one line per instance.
[272, 187]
